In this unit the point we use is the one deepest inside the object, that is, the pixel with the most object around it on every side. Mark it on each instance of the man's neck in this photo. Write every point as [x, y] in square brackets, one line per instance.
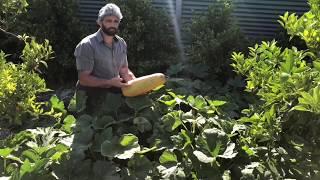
[108, 39]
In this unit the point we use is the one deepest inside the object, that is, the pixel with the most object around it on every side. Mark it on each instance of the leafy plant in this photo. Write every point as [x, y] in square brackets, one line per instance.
[149, 35]
[213, 36]
[58, 22]
[18, 92]
[10, 11]
[280, 138]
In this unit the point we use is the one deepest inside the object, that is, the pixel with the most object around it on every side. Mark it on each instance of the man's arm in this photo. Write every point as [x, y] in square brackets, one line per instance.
[86, 79]
[126, 74]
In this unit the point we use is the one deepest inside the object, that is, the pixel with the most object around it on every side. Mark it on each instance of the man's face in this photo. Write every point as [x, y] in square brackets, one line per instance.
[110, 25]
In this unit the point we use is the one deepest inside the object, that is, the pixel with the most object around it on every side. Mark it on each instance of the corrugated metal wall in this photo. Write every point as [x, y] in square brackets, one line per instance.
[256, 18]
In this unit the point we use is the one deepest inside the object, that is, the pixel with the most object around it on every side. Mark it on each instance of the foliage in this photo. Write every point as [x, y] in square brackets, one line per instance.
[214, 35]
[10, 9]
[18, 92]
[30, 154]
[149, 35]
[306, 27]
[281, 137]
[20, 84]
[176, 133]
[34, 54]
[58, 22]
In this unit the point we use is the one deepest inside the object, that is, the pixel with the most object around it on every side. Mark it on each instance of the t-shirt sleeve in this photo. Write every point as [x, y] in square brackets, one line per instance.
[84, 57]
[125, 58]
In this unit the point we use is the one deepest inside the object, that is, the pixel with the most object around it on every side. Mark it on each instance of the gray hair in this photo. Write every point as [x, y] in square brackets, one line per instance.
[109, 10]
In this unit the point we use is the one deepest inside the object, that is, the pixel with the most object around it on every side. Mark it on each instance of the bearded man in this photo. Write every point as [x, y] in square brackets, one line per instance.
[101, 58]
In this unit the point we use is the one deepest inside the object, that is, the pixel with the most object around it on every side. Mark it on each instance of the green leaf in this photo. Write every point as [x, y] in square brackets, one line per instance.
[128, 140]
[123, 148]
[5, 152]
[229, 152]
[31, 155]
[171, 172]
[214, 139]
[217, 103]
[100, 123]
[138, 103]
[172, 120]
[203, 158]
[316, 65]
[57, 104]
[105, 170]
[99, 138]
[112, 102]
[300, 108]
[80, 101]
[249, 150]
[168, 157]
[68, 124]
[140, 166]
[198, 102]
[142, 124]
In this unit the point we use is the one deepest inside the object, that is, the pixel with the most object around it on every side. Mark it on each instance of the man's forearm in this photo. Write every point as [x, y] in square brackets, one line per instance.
[92, 81]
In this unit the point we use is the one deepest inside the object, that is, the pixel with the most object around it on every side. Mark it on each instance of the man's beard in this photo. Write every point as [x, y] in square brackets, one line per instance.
[109, 31]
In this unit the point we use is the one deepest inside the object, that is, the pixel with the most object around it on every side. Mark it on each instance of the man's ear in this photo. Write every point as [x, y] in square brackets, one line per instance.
[99, 23]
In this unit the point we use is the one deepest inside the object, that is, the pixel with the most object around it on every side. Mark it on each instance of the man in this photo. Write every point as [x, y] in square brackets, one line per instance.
[101, 58]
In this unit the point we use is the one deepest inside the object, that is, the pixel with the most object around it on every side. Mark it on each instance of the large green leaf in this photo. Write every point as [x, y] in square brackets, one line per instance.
[112, 102]
[140, 167]
[123, 148]
[142, 124]
[105, 170]
[102, 122]
[214, 139]
[172, 120]
[197, 102]
[138, 103]
[99, 138]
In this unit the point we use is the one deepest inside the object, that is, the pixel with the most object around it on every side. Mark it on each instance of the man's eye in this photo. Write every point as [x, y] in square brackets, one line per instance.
[110, 21]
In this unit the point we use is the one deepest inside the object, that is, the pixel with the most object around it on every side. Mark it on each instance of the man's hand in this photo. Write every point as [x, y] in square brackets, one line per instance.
[117, 82]
[126, 74]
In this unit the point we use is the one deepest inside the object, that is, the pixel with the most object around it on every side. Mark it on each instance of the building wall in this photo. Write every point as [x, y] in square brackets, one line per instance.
[256, 18]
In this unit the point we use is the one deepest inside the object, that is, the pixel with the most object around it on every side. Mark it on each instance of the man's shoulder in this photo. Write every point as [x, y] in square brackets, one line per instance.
[121, 40]
[88, 39]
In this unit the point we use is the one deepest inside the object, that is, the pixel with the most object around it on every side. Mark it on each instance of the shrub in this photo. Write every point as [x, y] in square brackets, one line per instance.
[213, 36]
[58, 22]
[9, 12]
[20, 84]
[281, 139]
[149, 35]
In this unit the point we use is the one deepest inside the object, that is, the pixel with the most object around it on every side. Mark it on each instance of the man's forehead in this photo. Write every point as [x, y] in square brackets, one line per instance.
[111, 17]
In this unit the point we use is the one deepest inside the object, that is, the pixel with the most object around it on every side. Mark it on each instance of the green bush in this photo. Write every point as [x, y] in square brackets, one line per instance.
[149, 35]
[282, 136]
[58, 22]
[9, 10]
[213, 36]
[20, 84]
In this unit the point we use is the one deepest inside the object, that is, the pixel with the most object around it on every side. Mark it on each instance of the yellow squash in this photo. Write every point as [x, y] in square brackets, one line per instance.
[144, 84]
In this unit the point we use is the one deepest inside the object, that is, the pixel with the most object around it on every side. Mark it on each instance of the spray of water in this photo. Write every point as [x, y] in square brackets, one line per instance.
[176, 27]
